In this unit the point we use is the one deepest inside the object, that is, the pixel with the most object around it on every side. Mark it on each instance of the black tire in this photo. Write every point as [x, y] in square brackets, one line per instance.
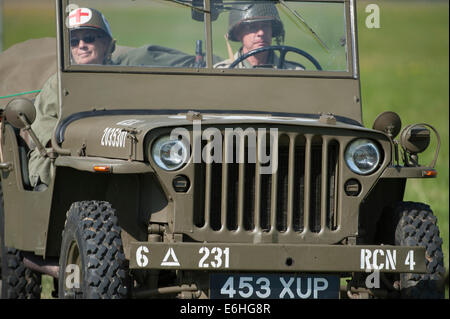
[91, 240]
[18, 282]
[417, 226]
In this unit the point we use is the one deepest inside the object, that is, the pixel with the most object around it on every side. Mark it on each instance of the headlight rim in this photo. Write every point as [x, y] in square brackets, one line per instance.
[354, 168]
[164, 138]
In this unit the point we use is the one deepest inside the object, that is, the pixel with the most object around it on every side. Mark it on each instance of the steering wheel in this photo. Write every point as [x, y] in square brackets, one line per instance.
[282, 59]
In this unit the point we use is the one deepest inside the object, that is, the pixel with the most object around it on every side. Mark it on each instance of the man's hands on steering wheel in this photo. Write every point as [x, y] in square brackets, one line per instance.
[283, 49]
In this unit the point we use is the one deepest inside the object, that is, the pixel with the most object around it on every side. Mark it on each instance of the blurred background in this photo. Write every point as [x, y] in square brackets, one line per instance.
[404, 67]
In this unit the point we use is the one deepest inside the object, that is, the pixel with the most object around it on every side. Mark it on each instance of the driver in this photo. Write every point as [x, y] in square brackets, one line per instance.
[91, 42]
[255, 25]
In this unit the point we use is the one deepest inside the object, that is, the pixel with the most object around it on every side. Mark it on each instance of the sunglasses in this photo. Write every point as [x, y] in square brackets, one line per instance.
[86, 39]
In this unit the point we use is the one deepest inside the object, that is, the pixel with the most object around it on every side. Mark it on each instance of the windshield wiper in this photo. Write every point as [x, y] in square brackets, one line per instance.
[299, 17]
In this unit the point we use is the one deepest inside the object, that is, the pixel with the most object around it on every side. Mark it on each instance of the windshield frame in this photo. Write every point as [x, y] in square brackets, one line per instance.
[352, 63]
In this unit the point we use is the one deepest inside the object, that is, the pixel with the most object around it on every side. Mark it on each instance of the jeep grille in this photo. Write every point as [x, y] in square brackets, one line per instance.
[298, 201]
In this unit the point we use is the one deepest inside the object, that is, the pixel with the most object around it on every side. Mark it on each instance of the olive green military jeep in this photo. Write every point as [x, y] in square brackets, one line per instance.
[221, 155]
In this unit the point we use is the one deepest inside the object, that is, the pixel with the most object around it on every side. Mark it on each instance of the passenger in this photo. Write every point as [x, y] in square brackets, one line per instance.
[91, 42]
[255, 25]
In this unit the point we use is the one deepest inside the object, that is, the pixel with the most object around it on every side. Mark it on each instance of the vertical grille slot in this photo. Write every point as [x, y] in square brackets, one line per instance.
[265, 198]
[199, 194]
[299, 184]
[315, 185]
[249, 196]
[333, 162]
[307, 183]
[216, 194]
[282, 183]
[266, 195]
[232, 195]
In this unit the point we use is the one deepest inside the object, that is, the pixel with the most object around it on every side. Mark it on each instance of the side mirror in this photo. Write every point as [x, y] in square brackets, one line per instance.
[389, 123]
[20, 113]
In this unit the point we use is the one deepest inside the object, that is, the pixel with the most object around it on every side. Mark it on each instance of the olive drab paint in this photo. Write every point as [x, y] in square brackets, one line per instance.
[265, 196]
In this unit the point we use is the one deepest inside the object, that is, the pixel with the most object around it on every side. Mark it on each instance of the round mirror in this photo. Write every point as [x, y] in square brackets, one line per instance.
[18, 107]
[389, 123]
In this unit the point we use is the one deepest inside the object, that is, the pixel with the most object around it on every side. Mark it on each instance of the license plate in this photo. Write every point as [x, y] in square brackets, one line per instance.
[273, 286]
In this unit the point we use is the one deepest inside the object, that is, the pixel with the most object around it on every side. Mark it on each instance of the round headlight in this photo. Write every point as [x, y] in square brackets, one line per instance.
[169, 154]
[362, 156]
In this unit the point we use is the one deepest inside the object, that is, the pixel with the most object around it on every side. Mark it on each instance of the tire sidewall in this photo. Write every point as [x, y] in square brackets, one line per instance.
[94, 228]
[419, 286]
[72, 233]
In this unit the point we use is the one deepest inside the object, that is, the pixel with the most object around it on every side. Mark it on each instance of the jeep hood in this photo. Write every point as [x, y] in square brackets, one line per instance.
[96, 134]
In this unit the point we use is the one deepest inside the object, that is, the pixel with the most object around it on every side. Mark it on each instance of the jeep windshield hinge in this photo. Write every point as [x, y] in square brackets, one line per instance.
[131, 134]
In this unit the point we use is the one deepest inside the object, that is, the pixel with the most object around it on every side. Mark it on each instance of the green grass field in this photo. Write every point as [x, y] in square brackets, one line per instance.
[404, 67]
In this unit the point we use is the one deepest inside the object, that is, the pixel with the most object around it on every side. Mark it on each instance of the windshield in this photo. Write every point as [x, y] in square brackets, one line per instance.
[278, 35]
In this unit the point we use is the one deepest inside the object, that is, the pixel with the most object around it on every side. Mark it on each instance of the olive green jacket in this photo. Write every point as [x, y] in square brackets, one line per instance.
[47, 110]
[47, 106]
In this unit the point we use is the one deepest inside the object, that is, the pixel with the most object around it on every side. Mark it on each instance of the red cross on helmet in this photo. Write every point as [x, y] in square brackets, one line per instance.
[88, 18]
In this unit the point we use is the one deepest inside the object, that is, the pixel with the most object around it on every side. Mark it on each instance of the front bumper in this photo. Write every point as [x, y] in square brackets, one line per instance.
[277, 257]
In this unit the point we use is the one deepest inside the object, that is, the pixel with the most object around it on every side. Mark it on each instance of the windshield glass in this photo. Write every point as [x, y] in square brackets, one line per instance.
[274, 35]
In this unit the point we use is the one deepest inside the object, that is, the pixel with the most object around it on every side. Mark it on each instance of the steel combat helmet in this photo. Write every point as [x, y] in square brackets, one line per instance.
[89, 18]
[254, 12]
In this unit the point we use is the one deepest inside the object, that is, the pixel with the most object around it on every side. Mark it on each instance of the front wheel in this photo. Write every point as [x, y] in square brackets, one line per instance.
[417, 226]
[92, 261]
